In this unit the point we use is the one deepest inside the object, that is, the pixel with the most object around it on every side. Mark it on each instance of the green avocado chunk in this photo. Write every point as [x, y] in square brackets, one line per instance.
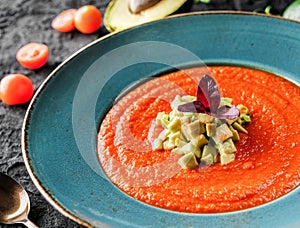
[209, 155]
[118, 15]
[188, 161]
[222, 133]
[227, 147]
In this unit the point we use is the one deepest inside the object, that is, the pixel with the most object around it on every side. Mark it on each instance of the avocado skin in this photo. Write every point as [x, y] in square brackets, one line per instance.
[186, 7]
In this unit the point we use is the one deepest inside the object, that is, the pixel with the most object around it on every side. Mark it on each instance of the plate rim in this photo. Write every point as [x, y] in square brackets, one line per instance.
[25, 153]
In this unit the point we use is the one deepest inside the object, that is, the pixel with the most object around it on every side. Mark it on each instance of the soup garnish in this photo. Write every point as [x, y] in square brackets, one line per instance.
[202, 129]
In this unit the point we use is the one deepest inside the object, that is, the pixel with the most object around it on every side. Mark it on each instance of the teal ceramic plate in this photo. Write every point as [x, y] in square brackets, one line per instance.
[59, 133]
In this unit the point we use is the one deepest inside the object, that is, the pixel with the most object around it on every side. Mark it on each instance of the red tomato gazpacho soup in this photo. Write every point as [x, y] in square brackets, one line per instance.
[267, 159]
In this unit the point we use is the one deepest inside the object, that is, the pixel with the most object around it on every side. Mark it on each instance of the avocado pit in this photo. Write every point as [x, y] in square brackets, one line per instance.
[136, 6]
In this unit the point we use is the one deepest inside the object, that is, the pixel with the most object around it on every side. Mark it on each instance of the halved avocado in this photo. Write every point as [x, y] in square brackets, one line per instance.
[293, 11]
[118, 15]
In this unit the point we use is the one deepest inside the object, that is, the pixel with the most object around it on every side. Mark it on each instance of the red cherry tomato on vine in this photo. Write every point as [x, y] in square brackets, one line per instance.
[88, 19]
[64, 22]
[33, 55]
[16, 89]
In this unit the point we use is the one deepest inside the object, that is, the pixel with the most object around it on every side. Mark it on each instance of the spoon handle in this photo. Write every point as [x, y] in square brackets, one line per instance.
[29, 224]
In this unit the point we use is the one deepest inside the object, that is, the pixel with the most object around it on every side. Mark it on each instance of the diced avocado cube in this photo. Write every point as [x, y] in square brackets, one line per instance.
[239, 127]
[184, 132]
[179, 142]
[182, 137]
[162, 119]
[163, 135]
[243, 109]
[207, 160]
[201, 128]
[227, 147]
[199, 141]
[210, 129]
[177, 150]
[239, 121]
[193, 130]
[209, 149]
[245, 118]
[185, 120]
[172, 114]
[216, 157]
[214, 152]
[168, 145]
[175, 113]
[157, 144]
[175, 124]
[189, 147]
[188, 161]
[222, 133]
[177, 101]
[235, 134]
[173, 136]
[193, 117]
[225, 101]
[164, 123]
[204, 118]
[160, 116]
[197, 152]
[226, 158]
[218, 122]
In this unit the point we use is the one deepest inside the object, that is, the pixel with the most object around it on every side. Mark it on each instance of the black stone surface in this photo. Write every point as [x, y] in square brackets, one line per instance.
[23, 21]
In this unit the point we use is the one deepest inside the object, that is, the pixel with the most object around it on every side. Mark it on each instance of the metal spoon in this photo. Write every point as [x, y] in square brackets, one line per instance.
[14, 202]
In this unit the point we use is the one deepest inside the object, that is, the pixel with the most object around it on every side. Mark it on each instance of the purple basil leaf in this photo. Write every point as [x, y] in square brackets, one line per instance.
[195, 106]
[208, 93]
[208, 101]
[226, 112]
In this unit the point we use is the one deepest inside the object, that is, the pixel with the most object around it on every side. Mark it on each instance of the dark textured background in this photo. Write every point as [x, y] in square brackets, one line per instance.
[23, 21]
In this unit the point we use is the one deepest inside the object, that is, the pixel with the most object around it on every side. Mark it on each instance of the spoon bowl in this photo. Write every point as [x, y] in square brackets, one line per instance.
[14, 202]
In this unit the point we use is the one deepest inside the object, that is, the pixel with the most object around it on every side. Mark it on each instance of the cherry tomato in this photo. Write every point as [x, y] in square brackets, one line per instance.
[64, 22]
[16, 89]
[88, 19]
[33, 55]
